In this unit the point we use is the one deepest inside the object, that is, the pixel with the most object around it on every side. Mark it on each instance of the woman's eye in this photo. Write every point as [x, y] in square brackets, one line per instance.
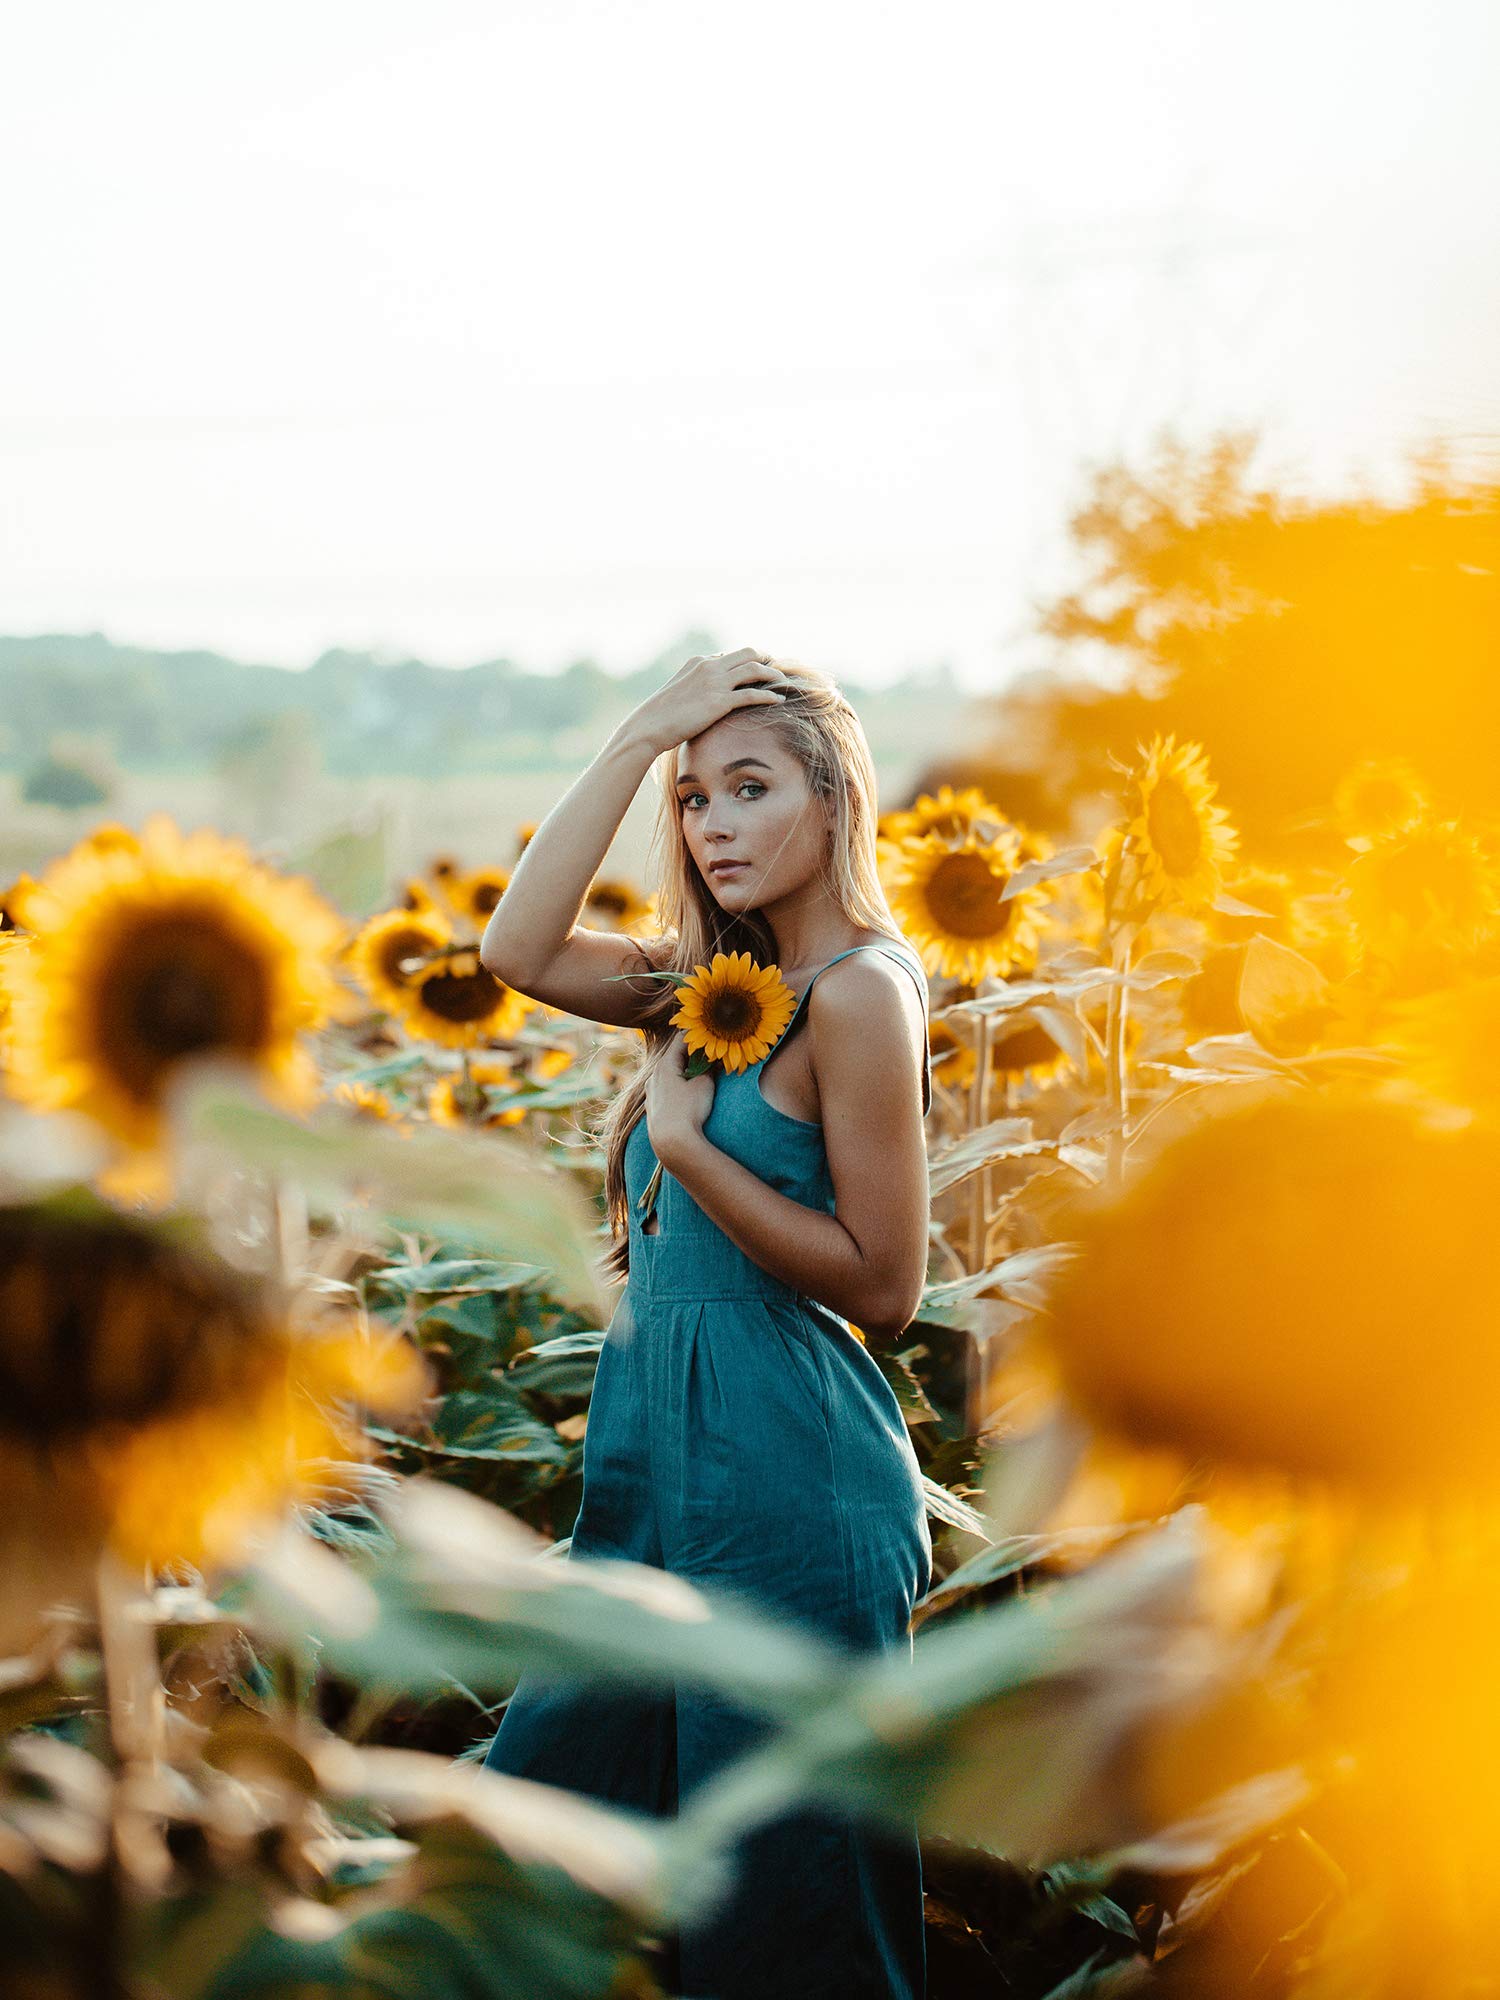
[688, 797]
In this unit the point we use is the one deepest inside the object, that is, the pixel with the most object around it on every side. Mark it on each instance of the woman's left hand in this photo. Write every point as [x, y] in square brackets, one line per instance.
[676, 1105]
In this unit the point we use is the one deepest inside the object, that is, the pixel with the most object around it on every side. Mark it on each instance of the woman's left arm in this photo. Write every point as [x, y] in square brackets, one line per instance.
[868, 1260]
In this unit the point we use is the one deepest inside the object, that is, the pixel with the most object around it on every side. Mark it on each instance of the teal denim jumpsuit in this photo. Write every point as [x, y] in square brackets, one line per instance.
[739, 1435]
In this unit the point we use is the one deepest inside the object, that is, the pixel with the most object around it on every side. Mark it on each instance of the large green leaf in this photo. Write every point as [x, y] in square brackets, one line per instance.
[466, 1595]
[493, 1192]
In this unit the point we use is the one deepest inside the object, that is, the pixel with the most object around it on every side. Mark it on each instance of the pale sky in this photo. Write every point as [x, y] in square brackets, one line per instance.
[548, 330]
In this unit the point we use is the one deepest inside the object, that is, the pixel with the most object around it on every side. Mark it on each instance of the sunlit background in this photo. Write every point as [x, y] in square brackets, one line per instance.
[560, 331]
[393, 399]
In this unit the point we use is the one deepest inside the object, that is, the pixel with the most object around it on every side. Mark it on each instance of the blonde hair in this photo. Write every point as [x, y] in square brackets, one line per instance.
[816, 726]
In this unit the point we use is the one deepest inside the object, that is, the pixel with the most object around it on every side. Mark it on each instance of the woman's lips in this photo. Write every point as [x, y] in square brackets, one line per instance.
[720, 869]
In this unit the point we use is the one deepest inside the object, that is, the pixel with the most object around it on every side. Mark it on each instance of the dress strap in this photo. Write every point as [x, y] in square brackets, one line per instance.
[904, 954]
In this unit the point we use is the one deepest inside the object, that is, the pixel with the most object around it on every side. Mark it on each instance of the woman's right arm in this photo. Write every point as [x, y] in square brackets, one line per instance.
[532, 940]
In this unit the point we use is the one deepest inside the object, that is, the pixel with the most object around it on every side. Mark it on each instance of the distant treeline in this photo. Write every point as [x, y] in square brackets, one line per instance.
[153, 710]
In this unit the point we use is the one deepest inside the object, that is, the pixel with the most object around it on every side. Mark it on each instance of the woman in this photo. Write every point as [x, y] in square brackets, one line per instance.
[739, 1433]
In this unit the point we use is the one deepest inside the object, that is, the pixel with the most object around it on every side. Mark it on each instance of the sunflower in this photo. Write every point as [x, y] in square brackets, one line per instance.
[109, 837]
[474, 896]
[1025, 1049]
[954, 814]
[202, 1485]
[461, 1100]
[734, 1010]
[1382, 795]
[13, 903]
[953, 1056]
[388, 953]
[1267, 889]
[417, 898]
[949, 900]
[1324, 1247]
[1449, 1042]
[1181, 841]
[443, 869]
[523, 833]
[459, 1004]
[615, 904]
[1427, 883]
[364, 1100]
[144, 958]
[154, 1398]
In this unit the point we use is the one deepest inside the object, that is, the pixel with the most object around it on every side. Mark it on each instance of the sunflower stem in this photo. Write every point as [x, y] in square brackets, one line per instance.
[1115, 1068]
[134, 1701]
[979, 1185]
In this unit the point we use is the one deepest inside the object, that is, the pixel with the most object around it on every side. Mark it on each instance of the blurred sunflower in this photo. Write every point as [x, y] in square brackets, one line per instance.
[365, 1101]
[949, 901]
[109, 837]
[151, 1395]
[615, 904]
[474, 896]
[1427, 883]
[13, 903]
[1182, 842]
[463, 1099]
[418, 899]
[952, 1051]
[954, 814]
[733, 1010]
[1379, 796]
[523, 833]
[144, 957]
[1267, 889]
[1449, 1044]
[459, 1004]
[1324, 1247]
[443, 869]
[390, 950]
[1023, 1048]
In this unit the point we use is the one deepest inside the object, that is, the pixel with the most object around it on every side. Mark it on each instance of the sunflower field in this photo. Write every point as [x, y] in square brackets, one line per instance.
[301, 1216]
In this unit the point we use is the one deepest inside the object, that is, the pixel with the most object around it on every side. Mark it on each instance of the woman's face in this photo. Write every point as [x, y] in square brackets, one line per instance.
[758, 812]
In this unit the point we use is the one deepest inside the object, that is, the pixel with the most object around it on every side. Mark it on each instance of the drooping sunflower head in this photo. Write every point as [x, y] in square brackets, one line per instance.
[1182, 842]
[144, 958]
[475, 896]
[1427, 883]
[952, 1052]
[391, 949]
[457, 1003]
[950, 900]
[1381, 795]
[1023, 1049]
[733, 1009]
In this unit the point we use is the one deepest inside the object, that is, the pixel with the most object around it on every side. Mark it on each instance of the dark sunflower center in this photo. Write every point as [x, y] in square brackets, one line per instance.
[175, 987]
[1028, 1045]
[1176, 830]
[732, 1014]
[485, 896]
[964, 897]
[460, 997]
[397, 948]
[610, 901]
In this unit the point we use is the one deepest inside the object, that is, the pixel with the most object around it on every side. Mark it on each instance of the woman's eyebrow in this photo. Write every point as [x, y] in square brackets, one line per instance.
[691, 778]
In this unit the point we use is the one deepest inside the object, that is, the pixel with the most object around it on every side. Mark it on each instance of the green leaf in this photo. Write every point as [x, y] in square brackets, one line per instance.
[947, 1507]
[449, 1275]
[562, 1367]
[494, 1423]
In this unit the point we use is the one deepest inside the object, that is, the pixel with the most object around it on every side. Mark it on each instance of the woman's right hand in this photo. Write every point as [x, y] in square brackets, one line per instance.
[704, 689]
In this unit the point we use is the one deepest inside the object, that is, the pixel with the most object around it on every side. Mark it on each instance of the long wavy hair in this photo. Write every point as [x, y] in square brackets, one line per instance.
[816, 726]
